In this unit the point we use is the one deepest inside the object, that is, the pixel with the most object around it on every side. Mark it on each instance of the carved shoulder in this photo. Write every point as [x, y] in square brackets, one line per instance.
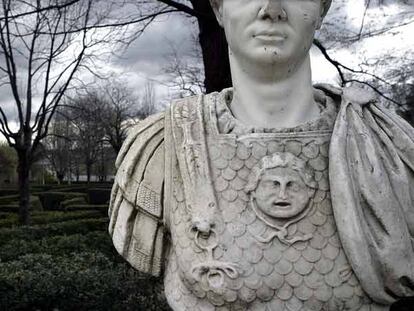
[135, 211]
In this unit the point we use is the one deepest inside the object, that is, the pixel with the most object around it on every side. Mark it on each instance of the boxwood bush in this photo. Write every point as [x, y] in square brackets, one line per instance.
[49, 217]
[74, 201]
[8, 219]
[79, 281]
[10, 191]
[99, 195]
[103, 209]
[60, 245]
[82, 226]
[11, 203]
[53, 200]
[7, 199]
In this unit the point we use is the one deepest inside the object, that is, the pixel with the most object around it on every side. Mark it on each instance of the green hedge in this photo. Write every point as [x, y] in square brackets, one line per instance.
[66, 188]
[83, 281]
[56, 187]
[53, 200]
[103, 209]
[4, 215]
[10, 208]
[61, 245]
[74, 201]
[7, 192]
[11, 203]
[7, 199]
[82, 226]
[99, 195]
[8, 219]
[49, 217]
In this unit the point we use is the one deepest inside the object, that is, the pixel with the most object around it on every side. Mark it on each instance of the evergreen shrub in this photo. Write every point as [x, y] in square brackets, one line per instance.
[7, 199]
[103, 209]
[79, 281]
[82, 226]
[11, 203]
[60, 245]
[53, 200]
[74, 201]
[99, 195]
[49, 217]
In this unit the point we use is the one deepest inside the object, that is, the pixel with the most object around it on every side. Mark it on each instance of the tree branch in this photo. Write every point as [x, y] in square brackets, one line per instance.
[38, 10]
[344, 80]
[184, 8]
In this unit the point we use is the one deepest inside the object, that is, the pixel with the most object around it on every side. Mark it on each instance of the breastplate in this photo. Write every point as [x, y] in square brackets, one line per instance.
[295, 263]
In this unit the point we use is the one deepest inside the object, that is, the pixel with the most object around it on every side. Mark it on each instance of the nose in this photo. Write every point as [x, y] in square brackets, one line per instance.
[282, 191]
[273, 10]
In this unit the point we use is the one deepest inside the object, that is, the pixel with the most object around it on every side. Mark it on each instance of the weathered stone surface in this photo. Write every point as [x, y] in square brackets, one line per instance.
[306, 273]
[295, 205]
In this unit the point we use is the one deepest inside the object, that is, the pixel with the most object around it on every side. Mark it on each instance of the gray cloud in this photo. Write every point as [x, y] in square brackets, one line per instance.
[148, 53]
[7, 103]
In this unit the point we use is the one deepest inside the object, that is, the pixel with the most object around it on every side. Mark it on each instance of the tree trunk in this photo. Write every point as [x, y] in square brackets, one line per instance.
[23, 171]
[60, 176]
[88, 172]
[214, 49]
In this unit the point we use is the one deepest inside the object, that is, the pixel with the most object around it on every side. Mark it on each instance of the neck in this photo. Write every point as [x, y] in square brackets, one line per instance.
[265, 97]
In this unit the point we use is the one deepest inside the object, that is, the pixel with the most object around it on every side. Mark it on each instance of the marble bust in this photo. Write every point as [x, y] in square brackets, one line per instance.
[274, 194]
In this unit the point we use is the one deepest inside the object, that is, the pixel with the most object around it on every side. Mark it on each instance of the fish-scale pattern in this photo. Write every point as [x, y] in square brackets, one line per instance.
[273, 276]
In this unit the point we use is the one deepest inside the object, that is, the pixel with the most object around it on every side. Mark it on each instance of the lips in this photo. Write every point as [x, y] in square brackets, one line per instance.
[281, 204]
[270, 35]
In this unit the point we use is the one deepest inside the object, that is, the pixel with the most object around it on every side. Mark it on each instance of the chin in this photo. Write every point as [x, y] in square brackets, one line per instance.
[275, 55]
[278, 61]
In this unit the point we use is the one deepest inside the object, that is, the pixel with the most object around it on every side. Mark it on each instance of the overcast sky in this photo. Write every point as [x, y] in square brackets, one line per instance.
[146, 57]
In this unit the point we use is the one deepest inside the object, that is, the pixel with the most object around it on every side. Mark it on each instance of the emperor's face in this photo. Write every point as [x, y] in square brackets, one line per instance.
[269, 31]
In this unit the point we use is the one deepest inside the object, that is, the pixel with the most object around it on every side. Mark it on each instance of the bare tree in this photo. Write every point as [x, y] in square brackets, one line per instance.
[85, 115]
[60, 144]
[388, 67]
[120, 111]
[8, 163]
[146, 105]
[32, 48]
[211, 38]
[43, 45]
[100, 117]
[186, 73]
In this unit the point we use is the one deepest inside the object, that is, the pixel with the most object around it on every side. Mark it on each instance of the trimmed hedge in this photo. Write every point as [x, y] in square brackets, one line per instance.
[66, 259]
[103, 209]
[11, 203]
[66, 188]
[82, 226]
[7, 192]
[45, 218]
[74, 201]
[61, 245]
[99, 195]
[43, 188]
[53, 200]
[10, 208]
[7, 199]
[8, 219]
[49, 217]
[83, 281]
[4, 215]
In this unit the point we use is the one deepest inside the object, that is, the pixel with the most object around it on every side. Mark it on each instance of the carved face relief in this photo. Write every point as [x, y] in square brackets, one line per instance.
[281, 193]
[275, 31]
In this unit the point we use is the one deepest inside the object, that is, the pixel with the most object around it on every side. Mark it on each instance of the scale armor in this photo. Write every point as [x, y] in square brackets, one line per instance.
[305, 275]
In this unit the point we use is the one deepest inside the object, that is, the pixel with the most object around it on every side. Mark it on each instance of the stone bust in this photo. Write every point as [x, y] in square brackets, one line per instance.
[274, 194]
